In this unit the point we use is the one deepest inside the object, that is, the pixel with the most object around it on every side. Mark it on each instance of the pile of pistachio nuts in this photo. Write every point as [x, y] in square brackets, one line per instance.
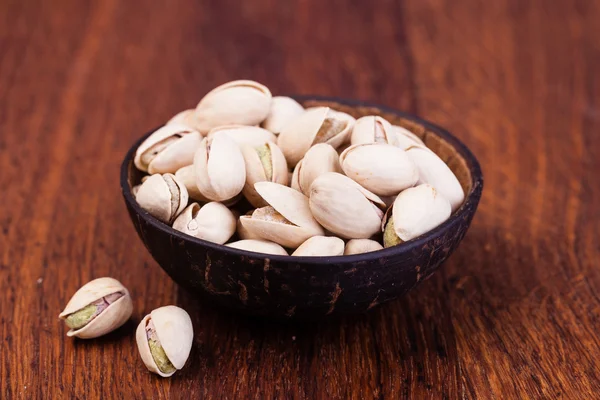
[164, 337]
[321, 183]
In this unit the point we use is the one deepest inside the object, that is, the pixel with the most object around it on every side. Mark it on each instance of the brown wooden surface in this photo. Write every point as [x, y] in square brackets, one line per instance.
[513, 314]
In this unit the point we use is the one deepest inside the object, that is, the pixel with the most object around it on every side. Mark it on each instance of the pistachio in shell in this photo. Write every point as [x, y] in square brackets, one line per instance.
[264, 163]
[319, 159]
[283, 109]
[360, 246]
[258, 246]
[163, 196]
[212, 222]
[320, 246]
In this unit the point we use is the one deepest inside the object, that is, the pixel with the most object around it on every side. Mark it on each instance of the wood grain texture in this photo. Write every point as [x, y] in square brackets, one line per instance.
[513, 314]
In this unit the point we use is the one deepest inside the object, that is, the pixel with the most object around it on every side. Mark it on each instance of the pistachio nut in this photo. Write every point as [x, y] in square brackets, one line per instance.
[212, 222]
[283, 109]
[187, 176]
[164, 339]
[405, 138]
[167, 149]
[219, 168]
[317, 125]
[97, 308]
[319, 159]
[415, 211]
[286, 220]
[359, 246]
[163, 196]
[372, 129]
[264, 163]
[185, 117]
[240, 102]
[244, 135]
[344, 207]
[323, 246]
[258, 246]
[434, 171]
[381, 168]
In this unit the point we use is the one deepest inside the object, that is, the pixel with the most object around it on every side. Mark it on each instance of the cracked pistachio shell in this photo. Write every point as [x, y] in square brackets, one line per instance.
[321, 246]
[381, 168]
[115, 312]
[258, 246]
[212, 222]
[264, 163]
[416, 211]
[185, 117]
[283, 109]
[344, 207]
[175, 333]
[372, 129]
[163, 196]
[219, 168]
[244, 135]
[167, 149]
[240, 102]
[317, 125]
[360, 246]
[319, 159]
[434, 171]
[286, 220]
[405, 138]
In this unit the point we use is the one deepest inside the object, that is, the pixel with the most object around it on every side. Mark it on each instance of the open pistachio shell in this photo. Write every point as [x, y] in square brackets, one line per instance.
[283, 109]
[405, 138]
[359, 246]
[219, 168]
[258, 246]
[383, 169]
[434, 171]
[264, 163]
[372, 129]
[323, 246]
[167, 149]
[213, 222]
[344, 207]
[414, 212]
[244, 135]
[164, 339]
[163, 196]
[97, 308]
[317, 125]
[319, 159]
[240, 102]
[286, 220]
[185, 117]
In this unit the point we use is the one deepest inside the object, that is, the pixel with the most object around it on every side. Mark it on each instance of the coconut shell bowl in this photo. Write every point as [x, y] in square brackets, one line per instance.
[286, 287]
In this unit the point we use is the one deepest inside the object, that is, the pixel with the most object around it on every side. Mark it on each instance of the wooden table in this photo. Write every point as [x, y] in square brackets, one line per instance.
[513, 314]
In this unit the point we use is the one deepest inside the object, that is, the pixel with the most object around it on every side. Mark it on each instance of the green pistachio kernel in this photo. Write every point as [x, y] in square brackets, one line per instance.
[264, 153]
[160, 357]
[80, 318]
[389, 235]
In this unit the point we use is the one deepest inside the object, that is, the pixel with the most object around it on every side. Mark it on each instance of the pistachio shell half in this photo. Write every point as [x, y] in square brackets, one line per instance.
[414, 212]
[286, 220]
[244, 135]
[317, 125]
[240, 102]
[258, 246]
[97, 308]
[264, 163]
[381, 168]
[283, 109]
[319, 159]
[344, 207]
[163, 196]
[323, 246]
[219, 168]
[167, 149]
[164, 339]
[359, 246]
[434, 171]
[213, 222]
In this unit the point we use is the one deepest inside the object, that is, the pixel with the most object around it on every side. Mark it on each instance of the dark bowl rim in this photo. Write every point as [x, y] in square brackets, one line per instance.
[471, 198]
